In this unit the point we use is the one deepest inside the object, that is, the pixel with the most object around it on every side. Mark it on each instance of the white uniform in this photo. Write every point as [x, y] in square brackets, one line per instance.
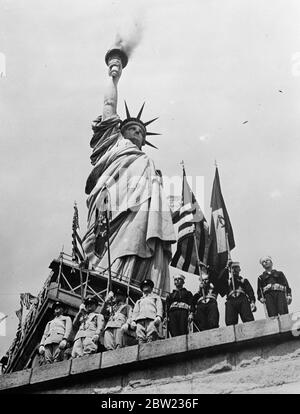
[145, 311]
[91, 324]
[56, 330]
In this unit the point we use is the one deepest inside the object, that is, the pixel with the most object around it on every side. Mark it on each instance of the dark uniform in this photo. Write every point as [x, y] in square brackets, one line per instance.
[238, 301]
[274, 288]
[205, 307]
[178, 306]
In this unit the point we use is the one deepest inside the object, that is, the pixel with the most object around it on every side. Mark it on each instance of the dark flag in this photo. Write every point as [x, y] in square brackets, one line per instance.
[221, 238]
[78, 255]
[103, 217]
[26, 300]
[191, 225]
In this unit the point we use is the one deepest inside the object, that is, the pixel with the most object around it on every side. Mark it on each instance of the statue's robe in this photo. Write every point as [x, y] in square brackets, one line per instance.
[141, 228]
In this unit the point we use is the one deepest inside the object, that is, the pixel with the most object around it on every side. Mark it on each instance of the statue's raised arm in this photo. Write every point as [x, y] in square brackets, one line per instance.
[116, 60]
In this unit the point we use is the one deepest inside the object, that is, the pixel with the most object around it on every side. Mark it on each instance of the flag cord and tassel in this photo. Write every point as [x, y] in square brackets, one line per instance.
[228, 262]
[264, 304]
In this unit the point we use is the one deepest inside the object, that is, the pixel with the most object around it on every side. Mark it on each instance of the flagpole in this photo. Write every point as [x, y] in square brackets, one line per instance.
[59, 272]
[198, 263]
[108, 248]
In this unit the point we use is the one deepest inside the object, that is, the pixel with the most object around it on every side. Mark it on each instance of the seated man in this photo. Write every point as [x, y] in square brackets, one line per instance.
[54, 340]
[147, 314]
[205, 306]
[118, 314]
[90, 325]
[273, 289]
[240, 298]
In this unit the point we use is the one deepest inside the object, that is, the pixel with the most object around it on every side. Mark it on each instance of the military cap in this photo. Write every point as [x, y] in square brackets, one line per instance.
[147, 282]
[91, 300]
[120, 291]
[58, 304]
[235, 264]
[263, 258]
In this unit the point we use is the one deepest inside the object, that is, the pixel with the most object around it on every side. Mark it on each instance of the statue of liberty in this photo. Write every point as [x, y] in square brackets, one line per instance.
[141, 228]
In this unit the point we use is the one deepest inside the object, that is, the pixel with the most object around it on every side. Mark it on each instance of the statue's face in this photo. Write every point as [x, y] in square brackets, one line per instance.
[58, 311]
[135, 134]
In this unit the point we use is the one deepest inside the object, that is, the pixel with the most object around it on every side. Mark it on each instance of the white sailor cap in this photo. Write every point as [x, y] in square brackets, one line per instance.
[264, 258]
[179, 276]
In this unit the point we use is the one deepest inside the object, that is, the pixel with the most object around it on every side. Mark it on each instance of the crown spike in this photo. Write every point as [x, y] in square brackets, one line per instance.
[152, 133]
[149, 122]
[151, 145]
[141, 110]
[127, 110]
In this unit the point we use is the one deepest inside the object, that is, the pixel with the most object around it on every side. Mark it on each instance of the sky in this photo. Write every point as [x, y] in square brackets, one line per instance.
[204, 67]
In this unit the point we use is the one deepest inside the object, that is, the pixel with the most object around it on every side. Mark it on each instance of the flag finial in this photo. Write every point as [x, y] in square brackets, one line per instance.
[216, 164]
[182, 164]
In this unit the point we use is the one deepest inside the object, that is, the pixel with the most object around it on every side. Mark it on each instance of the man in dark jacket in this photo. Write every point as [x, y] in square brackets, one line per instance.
[178, 307]
[273, 289]
[240, 298]
[205, 306]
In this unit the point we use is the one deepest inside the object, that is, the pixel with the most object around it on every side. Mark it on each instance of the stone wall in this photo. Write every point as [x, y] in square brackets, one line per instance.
[256, 357]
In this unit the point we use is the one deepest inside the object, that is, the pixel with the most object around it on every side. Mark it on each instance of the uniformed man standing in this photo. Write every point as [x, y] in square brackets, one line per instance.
[147, 314]
[205, 307]
[56, 334]
[273, 289]
[90, 325]
[240, 298]
[119, 318]
[178, 307]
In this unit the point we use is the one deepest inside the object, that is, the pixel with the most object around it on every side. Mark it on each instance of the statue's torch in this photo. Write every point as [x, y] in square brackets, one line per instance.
[116, 58]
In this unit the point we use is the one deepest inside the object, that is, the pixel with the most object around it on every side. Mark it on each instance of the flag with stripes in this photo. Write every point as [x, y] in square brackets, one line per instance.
[78, 255]
[221, 237]
[192, 232]
[26, 300]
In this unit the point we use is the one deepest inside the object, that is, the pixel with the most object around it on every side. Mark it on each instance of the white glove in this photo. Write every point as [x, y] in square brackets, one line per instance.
[63, 344]
[124, 328]
[95, 338]
[289, 299]
[82, 308]
[253, 307]
[262, 300]
[41, 350]
[109, 296]
[157, 321]
[133, 325]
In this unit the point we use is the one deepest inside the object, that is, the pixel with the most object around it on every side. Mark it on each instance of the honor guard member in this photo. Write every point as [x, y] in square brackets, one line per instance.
[56, 334]
[273, 289]
[240, 298]
[119, 318]
[90, 325]
[178, 307]
[205, 307]
[147, 314]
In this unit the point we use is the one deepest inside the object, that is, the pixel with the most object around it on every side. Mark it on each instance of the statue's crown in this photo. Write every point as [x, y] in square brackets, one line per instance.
[132, 120]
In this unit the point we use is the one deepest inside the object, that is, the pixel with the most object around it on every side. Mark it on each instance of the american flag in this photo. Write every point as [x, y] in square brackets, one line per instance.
[192, 225]
[78, 254]
[26, 300]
